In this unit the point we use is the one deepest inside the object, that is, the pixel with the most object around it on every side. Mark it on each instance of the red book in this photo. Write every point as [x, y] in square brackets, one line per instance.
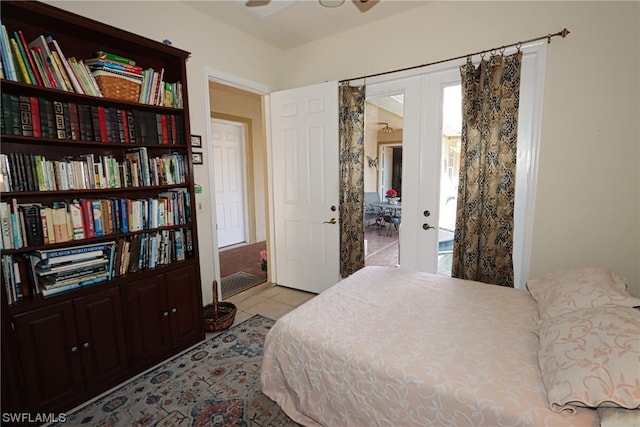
[103, 124]
[165, 134]
[175, 129]
[125, 126]
[87, 216]
[32, 64]
[52, 80]
[35, 116]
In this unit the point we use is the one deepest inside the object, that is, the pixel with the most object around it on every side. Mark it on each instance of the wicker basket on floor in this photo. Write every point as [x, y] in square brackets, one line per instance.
[219, 315]
[117, 87]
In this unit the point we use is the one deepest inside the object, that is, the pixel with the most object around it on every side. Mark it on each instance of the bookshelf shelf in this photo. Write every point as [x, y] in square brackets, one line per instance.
[95, 192]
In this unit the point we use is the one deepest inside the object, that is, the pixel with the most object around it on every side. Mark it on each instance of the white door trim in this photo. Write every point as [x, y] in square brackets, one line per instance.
[218, 76]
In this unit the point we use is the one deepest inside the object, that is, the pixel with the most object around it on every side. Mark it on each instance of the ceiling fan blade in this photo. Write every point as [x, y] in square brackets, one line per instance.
[256, 3]
[365, 5]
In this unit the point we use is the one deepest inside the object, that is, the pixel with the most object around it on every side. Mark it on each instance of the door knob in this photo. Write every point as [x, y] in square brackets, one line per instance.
[426, 226]
[331, 221]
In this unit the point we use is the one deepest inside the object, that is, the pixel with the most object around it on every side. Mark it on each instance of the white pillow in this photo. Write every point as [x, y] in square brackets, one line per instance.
[591, 358]
[566, 291]
[619, 417]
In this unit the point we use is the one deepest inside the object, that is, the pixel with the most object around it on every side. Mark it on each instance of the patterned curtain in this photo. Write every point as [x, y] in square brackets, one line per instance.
[483, 243]
[351, 178]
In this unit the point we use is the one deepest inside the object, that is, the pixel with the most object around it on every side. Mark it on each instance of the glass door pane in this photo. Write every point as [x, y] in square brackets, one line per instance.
[450, 166]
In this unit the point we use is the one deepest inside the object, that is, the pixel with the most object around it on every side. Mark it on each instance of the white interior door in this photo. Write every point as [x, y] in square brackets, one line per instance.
[304, 142]
[228, 156]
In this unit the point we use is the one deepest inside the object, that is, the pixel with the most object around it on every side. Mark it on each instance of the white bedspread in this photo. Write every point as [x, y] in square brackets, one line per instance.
[389, 347]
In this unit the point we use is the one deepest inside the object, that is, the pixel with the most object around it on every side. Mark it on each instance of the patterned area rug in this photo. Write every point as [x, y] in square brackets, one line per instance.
[238, 282]
[216, 383]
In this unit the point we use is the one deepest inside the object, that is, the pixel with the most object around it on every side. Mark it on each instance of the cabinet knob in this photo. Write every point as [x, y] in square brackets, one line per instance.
[85, 345]
[74, 349]
[165, 314]
[174, 310]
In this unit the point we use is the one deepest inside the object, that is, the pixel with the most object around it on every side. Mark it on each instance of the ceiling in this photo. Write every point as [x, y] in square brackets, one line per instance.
[286, 24]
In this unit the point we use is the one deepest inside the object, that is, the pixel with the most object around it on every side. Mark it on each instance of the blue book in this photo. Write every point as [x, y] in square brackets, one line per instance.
[7, 58]
[74, 251]
[97, 217]
[124, 217]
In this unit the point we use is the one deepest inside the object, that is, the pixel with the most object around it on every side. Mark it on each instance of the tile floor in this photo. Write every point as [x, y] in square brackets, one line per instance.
[268, 300]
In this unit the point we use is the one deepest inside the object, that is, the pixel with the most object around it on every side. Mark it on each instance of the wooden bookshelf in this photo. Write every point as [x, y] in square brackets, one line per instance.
[65, 348]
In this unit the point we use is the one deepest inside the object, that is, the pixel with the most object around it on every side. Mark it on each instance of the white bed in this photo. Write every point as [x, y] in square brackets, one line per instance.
[390, 347]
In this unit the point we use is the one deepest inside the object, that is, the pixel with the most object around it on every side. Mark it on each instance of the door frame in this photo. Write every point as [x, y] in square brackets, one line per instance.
[534, 58]
[218, 76]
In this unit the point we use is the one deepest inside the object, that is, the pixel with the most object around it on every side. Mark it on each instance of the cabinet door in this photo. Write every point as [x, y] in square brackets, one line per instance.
[49, 356]
[101, 336]
[149, 334]
[183, 293]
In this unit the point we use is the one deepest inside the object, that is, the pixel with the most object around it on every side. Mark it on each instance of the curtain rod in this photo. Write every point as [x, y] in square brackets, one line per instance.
[562, 34]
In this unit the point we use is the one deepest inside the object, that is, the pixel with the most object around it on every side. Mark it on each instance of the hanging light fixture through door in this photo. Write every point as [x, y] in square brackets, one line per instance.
[386, 128]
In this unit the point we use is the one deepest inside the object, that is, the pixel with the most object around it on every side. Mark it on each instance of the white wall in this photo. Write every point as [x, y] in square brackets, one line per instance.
[588, 194]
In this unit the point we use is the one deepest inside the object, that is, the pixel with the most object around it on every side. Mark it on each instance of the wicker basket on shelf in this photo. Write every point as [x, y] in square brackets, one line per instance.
[117, 87]
[219, 315]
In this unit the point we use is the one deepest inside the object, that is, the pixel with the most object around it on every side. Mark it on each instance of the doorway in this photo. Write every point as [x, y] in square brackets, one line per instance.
[383, 171]
[238, 157]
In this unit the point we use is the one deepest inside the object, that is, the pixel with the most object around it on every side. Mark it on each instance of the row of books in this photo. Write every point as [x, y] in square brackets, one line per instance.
[32, 224]
[151, 250]
[34, 172]
[48, 272]
[44, 118]
[41, 62]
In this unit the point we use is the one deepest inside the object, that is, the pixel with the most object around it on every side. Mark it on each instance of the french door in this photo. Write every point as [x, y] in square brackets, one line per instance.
[426, 165]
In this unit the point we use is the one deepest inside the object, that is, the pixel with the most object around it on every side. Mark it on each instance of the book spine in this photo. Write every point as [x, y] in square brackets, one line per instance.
[17, 224]
[33, 225]
[113, 57]
[97, 217]
[49, 77]
[97, 62]
[40, 68]
[32, 173]
[45, 128]
[45, 226]
[75, 210]
[102, 121]
[67, 120]
[23, 74]
[74, 121]
[35, 116]
[88, 221]
[7, 57]
[35, 78]
[25, 116]
[5, 223]
[53, 44]
[49, 231]
[58, 110]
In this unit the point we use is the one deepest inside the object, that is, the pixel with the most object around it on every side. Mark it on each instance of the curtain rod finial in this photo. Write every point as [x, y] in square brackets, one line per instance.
[564, 33]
